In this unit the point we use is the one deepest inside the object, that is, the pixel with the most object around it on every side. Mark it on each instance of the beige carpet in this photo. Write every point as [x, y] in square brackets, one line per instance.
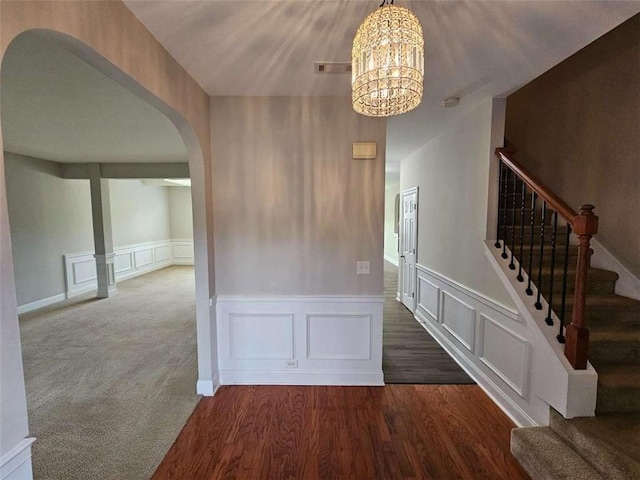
[110, 383]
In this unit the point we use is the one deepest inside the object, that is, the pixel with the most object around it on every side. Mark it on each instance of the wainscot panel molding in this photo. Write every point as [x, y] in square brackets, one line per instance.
[16, 463]
[300, 340]
[488, 340]
[182, 252]
[129, 261]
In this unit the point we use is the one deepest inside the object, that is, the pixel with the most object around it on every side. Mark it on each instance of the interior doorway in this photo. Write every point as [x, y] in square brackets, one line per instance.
[408, 247]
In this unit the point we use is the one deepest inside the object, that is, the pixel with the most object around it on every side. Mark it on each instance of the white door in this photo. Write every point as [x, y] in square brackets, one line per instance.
[408, 247]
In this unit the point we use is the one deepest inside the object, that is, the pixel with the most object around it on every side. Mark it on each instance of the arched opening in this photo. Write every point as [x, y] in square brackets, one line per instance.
[196, 169]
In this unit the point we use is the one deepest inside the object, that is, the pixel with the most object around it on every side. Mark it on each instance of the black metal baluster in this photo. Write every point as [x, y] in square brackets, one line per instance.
[523, 201]
[563, 303]
[538, 303]
[554, 231]
[532, 223]
[499, 217]
[512, 265]
[504, 208]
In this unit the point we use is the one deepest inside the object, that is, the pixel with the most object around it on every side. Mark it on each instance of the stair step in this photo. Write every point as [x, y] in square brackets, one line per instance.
[605, 310]
[614, 344]
[545, 456]
[560, 252]
[599, 282]
[618, 388]
[609, 443]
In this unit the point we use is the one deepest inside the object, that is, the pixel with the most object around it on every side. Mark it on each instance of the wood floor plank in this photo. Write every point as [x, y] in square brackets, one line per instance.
[306, 433]
[409, 354]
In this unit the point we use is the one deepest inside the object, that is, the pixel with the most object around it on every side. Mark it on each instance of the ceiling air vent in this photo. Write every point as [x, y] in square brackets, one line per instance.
[333, 67]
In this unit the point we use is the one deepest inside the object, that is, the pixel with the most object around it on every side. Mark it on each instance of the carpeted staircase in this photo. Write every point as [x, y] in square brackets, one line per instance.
[608, 445]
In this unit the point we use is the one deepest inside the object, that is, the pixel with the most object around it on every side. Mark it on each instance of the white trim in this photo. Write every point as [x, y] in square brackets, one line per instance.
[16, 463]
[324, 349]
[526, 358]
[160, 255]
[302, 377]
[300, 298]
[489, 302]
[45, 302]
[503, 366]
[391, 260]
[205, 388]
[73, 287]
[628, 284]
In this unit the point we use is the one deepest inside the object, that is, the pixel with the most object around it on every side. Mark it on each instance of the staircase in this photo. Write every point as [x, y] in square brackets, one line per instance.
[536, 242]
[605, 446]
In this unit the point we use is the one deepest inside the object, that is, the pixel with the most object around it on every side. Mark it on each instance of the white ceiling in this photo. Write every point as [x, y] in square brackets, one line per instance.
[474, 49]
[57, 107]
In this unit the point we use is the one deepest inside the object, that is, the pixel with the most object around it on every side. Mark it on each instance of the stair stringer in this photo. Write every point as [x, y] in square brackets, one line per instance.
[569, 391]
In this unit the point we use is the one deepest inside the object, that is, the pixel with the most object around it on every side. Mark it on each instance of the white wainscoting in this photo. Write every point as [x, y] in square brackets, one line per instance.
[129, 261]
[182, 252]
[16, 463]
[487, 339]
[300, 340]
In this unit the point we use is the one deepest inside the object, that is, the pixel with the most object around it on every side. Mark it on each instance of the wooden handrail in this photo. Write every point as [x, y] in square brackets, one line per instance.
[540, 188]
[584, 225]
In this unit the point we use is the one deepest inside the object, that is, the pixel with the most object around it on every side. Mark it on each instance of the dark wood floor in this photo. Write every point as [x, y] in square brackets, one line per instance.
[306, 433]
[409, 353]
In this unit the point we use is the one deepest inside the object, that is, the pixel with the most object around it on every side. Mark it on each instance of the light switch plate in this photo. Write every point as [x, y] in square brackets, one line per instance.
[363, 267]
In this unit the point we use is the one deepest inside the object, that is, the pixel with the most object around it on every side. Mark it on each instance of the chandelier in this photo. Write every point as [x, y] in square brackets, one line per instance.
[387, 62]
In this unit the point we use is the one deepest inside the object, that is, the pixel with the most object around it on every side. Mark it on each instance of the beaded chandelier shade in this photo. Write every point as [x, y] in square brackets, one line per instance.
[387, 62]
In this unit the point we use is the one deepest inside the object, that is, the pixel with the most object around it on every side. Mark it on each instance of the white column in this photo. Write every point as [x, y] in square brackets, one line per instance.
[102, 235]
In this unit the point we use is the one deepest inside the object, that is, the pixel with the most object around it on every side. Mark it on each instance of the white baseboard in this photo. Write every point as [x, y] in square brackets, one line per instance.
[205, 388]
[391, 260]
[300, 339]
[307, 377]
[628, 284]
[16, 463]
[45, 302]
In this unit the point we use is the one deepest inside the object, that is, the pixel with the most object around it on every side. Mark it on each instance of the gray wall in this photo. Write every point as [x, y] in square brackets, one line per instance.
[577, 128]
[452, 174]
[180, 213]
[139, 213]
[51, 216]
[293, 213]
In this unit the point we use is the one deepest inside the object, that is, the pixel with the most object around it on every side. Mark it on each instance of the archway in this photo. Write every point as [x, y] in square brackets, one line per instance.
[108, 36]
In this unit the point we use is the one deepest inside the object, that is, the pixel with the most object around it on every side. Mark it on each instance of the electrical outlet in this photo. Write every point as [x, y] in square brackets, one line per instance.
[291, 364]
[363, 267]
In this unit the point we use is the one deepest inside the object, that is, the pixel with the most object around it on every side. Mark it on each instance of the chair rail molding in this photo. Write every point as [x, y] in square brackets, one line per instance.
[300, 340]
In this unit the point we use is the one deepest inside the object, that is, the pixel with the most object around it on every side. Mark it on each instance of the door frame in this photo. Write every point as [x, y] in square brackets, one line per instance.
[401, 233]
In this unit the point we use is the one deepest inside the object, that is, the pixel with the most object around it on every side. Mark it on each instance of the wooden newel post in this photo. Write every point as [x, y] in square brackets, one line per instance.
[585, 225]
